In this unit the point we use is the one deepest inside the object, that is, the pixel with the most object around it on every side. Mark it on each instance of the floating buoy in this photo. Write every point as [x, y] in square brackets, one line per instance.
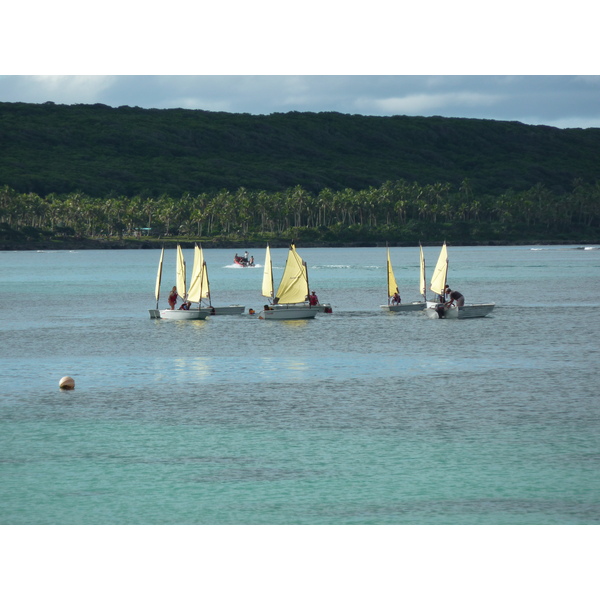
[66, 383]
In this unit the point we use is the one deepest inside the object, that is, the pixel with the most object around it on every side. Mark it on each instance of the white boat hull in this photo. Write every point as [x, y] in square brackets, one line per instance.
[402, 308]
[232, 309]
[468, 311]
[184, 315]
[285, 312]
[323, 308]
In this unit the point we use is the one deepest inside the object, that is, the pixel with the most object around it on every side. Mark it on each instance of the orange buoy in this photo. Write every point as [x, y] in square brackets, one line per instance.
[66, 383]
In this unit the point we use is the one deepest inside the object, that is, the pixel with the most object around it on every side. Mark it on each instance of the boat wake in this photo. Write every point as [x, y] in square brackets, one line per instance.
[358, 267]
[236, 266]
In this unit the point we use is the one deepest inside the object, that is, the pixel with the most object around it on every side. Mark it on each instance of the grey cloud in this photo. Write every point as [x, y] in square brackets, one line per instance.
[562, 101]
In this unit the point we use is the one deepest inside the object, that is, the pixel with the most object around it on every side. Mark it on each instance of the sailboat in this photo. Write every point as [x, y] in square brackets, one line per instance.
[193, 314]
[392, 290]
[438, 309]
[200, 288]
[154, 312]
[290, 300]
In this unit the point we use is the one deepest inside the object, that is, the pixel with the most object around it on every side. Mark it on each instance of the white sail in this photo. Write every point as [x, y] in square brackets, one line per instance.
[267, 282]
[159, 277]
[440, 273]
[422, 283]
[180, 280]
[392, 285]
[205, 286]
[293, 287]
[198, 286]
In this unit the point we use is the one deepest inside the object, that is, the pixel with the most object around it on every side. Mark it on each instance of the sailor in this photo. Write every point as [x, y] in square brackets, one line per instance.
[173, 298]
[455, 298]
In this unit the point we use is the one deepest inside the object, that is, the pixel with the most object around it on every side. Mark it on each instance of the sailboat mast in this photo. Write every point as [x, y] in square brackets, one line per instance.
[205, 273]
[422, 281]
[159, 276]
[306, 271]
[389, 269]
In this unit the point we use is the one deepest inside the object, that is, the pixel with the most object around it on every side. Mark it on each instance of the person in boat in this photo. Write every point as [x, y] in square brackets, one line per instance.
[173, 298]
[396, 297]
[246, 257]
[443, 297]
[252, 261]
[267, 307]
[312, 299]
[455, 298]
[185, 306]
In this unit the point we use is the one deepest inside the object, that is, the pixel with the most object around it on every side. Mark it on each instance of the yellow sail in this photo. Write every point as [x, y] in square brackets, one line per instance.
[180, 280]
[198, 286]
[392, 285]
[159, 276]
[440, 273]
[267, 282]
[294, 282]
[422, 283]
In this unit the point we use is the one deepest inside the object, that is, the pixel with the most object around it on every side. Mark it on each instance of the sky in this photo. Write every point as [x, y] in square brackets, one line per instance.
[527, 62]
[559, 101]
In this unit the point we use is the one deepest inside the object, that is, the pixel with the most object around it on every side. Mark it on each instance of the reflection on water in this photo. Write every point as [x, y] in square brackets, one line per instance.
[192, 367]
[280, 368]
[296, 324]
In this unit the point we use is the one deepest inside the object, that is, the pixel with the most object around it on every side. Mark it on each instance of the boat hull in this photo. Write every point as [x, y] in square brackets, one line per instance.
[282, 312]
[402, 308]
[184, 315]
[232, 309]
[468, 311]
[243, 264]
[323, 308]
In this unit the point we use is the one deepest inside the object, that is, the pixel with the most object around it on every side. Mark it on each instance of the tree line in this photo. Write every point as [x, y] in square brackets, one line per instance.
[402, 210]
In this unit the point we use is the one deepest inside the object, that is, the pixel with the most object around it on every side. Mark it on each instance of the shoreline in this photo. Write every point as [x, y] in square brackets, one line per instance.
[152, 244]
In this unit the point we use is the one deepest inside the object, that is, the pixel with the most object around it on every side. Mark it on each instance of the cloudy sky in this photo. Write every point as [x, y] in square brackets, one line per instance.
[460, 59]
[561, 101]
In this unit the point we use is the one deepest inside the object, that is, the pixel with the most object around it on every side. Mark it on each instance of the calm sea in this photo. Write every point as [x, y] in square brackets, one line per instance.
[358, 417]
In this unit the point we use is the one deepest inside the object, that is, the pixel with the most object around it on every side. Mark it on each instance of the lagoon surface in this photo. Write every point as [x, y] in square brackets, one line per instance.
[357, 417]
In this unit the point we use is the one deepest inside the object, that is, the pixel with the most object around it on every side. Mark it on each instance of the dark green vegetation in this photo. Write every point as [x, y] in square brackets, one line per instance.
[91, 171]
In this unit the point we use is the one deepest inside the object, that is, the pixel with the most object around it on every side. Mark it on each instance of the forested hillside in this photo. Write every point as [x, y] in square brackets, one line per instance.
[98, 150]
[70, 174]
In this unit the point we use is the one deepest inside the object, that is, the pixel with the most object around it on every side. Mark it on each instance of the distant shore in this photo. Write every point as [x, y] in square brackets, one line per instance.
[148, 244]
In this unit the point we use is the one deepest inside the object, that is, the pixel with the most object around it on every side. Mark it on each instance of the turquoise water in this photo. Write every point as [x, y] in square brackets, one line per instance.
[358, 417]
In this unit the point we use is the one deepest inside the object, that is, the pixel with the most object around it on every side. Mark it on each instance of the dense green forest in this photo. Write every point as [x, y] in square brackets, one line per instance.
[91, 171]
[393, 212]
